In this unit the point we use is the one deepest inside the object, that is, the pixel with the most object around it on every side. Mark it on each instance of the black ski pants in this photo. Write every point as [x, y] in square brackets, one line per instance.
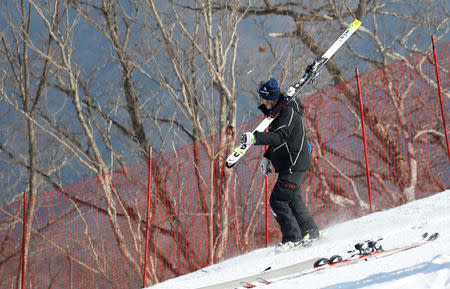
[289, 208]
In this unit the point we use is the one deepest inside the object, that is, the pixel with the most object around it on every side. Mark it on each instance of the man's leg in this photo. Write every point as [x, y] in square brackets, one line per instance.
[300, 211]
[280, 200]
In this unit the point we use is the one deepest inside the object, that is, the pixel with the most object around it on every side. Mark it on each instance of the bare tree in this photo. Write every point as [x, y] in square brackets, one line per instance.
[60, 73]
[203, 91]
[28, 97]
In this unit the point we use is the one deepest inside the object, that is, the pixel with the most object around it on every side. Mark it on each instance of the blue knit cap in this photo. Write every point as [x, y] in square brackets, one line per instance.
[269, 90]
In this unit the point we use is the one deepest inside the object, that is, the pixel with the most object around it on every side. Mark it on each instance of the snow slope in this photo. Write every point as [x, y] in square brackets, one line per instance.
[427, 266]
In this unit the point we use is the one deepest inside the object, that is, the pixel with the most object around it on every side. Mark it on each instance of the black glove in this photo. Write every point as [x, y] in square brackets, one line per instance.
[264, 110]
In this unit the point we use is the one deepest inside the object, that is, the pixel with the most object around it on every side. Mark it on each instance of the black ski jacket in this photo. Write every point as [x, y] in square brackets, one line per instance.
[286, 137]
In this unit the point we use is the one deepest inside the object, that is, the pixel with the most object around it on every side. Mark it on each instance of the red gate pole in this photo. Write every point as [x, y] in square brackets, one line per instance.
[147, 229]
[266, 203]
[436, 66]
[363, 126]
[24, 234]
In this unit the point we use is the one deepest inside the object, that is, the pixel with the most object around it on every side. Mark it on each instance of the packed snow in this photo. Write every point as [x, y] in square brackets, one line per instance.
[427, 266]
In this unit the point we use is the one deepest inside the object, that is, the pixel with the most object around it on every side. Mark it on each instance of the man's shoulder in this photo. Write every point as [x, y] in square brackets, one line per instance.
[287, 116]
[292, 109]
[296, 105]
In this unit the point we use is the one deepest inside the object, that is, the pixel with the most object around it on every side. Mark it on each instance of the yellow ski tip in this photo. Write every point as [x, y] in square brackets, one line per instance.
[355, 25]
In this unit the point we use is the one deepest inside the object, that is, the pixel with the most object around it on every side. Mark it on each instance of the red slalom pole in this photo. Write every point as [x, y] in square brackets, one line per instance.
[147, 229]
[24, 234]
[364, 140]
[266, 185]
[436, 66]
[266, 203]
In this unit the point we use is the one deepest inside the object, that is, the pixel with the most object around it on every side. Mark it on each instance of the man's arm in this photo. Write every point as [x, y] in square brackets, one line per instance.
[279, 134]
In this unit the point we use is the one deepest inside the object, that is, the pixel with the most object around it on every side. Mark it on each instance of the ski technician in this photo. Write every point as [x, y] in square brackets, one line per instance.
[289, 152]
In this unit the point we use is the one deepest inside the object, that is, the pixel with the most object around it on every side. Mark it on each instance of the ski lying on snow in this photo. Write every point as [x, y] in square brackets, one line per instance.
[373, 251]
[337, 260]
[311, 72]
[262, 278]
[364, 251]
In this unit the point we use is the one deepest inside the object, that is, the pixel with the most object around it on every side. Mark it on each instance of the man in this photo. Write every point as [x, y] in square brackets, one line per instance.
[288, 152]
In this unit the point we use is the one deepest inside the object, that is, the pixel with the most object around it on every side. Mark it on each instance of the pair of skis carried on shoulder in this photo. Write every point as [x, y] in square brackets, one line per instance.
[311, 72]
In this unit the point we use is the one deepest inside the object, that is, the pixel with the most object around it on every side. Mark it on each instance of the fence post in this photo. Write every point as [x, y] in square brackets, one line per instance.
[436, 66]
[24, 234]
[147, 227]
[363, 126]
